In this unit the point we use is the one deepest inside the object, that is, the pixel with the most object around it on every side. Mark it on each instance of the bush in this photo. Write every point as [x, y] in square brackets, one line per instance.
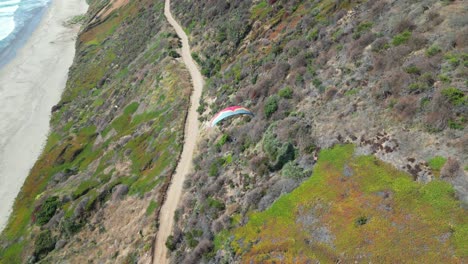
[44, 244]
[214, 167]
[170, 243]
[270, 143]
[454, 124]
[362, 220]
[47, 210]
[213, 203]
[413, 70]
[433, 50]
[454, 96]
[285, 154]
[286, 92]
[401, 38]
[291, 170]
[437, 162]
[224, 138]
[271, 106]
[417, 87]
[174, 54]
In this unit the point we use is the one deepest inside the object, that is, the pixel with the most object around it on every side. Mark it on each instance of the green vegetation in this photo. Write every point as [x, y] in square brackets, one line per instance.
[352, 92]
[418, 87]
[151, 208]
[413, 70]
[84, 187]
[350, 208]
[455, 96]
[260, 10]
[452, 59]
[292, 170]
[214, 203]
[271, 105]
[123, 78]
[437, 162]
[44, 244]
[286, 92]
[361, 28]
[433, 50]
[401, 38]
[47, 210]
[170, 243]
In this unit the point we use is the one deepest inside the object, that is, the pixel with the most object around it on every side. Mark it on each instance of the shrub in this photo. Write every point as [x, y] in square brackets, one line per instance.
[454, 96]
[452, 59]
[285, 154]
[170, 243]
[433, 50]
[454, 124]
[417, 87]
[214, 167]
[444, 78]
[47, 210]
[401, 38]
[362, 220]
[437, 162]
[286, 92]
[270, 143]
[214, 203]
[380, 44]
[271, 106]
[291, 170]
[174, 54]
[224, 138]
[44, 244]
[413, 70]
[362, 27]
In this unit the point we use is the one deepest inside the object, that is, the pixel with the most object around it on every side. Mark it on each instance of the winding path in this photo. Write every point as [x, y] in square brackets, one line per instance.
[166, 216]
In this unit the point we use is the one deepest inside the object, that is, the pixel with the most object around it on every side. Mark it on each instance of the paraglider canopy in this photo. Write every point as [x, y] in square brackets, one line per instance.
[228, 112]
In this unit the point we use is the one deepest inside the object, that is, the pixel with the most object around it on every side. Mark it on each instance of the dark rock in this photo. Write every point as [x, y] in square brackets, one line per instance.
[347, 171]
[60, 177]
[66, 199]
[80, 208]
[60, 244]
[119, 192]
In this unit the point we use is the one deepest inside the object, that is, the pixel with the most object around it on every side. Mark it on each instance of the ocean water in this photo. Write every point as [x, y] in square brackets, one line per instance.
[17, 20]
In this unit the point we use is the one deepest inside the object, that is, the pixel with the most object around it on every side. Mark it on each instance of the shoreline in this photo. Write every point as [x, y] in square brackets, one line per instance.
[30, 84]
[9, 52]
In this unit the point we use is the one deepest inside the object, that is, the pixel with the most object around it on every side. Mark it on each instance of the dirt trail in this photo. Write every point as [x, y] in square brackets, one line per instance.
[166, 216]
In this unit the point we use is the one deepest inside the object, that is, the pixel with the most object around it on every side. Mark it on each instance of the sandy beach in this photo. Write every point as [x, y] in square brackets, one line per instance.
[30, 85]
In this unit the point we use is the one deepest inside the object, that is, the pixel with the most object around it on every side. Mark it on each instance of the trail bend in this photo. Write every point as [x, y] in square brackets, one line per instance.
[166, 216]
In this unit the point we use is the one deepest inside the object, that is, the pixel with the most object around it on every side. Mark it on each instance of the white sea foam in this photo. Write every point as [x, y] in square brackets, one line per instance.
[7, 21]
[14, 15]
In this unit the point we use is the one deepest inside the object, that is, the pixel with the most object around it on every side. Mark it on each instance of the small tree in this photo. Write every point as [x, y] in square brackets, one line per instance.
[271, 105]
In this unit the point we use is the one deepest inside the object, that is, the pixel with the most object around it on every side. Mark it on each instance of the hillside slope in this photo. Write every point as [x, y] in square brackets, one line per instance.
[116, 137]
[389, 77]
[357, 151]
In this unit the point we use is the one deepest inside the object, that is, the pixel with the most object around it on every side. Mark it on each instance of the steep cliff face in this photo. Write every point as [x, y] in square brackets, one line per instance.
[115, 140]
[386, 76]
